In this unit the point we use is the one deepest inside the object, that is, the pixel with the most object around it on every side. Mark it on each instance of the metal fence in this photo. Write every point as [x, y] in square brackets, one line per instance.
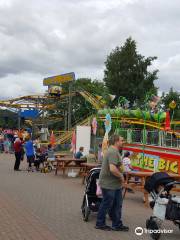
[150, 137]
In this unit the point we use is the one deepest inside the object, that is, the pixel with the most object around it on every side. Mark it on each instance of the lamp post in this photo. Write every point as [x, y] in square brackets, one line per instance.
[70, 106]
[19, 119]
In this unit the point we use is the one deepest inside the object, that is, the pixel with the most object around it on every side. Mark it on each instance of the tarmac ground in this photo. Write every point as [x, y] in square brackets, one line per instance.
[38, 206]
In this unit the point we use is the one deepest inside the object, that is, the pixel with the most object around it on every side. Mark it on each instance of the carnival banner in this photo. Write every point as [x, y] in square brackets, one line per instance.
[154, 163]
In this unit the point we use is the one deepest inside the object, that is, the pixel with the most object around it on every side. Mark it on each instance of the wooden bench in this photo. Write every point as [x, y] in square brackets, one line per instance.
[68, 163]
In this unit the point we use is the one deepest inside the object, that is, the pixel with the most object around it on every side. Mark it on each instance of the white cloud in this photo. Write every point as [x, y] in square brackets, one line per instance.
[169, 73]
[22, 84]
[45, 38]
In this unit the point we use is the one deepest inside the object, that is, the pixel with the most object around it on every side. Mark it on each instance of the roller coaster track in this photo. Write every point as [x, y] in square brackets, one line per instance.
[97, 104]
[67, 136]
[44, 121]
[27, 102]
[32, 101]
[40, 101]
[26, 106]
[38, 97]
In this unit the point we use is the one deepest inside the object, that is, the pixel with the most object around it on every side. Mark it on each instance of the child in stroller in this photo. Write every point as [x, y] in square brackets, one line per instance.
[49, 163]
[40, 159]
[164, 204]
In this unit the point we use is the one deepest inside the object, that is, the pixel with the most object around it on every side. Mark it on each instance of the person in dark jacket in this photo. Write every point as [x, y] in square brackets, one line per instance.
[18, 153]
[79, 154]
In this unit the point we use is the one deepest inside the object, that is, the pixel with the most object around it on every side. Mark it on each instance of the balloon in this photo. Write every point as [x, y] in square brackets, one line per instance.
[108, 123]
[172, 105]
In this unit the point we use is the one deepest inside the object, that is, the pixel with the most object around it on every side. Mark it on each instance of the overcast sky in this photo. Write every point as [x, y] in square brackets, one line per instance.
[50, 37]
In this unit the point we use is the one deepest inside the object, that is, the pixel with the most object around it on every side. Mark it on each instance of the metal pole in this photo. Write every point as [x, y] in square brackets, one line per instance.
[19, 120]
[65, 120]
[69, 106]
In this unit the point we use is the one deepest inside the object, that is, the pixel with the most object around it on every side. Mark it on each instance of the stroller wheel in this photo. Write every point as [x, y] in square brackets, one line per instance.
[49, 168]
[85, 210]
[86, 213]
[151, 224]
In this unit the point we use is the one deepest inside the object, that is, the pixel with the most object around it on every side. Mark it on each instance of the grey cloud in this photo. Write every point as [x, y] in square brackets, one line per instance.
[44, 38]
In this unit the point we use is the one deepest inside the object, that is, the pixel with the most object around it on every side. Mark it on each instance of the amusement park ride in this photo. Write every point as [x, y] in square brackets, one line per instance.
[49, 101]
[155, 145]
[55, 94]
[162, 148]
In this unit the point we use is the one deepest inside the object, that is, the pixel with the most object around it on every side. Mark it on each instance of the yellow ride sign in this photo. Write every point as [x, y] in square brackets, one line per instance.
[59, 79]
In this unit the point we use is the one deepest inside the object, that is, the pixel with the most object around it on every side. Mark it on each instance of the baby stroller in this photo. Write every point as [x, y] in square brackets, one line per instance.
[48, 165]
[164, 204]
[40, 158]
[91, 201]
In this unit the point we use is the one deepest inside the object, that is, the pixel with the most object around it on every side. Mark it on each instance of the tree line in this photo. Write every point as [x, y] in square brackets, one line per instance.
[127, 73]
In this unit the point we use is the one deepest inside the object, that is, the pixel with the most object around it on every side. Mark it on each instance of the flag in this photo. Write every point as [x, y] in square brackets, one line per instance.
[73, 142]
[52, 139]
[167, 121]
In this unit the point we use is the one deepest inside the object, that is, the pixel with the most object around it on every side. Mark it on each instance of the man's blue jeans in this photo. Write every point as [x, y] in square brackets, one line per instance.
[111, 202]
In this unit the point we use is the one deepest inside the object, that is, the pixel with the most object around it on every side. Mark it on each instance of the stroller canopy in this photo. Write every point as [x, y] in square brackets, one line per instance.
[157, 179]
[91, 181]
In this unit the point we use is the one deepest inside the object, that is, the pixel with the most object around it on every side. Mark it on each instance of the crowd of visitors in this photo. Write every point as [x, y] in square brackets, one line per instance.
[35, 154]
[20, 143]
[113, 171]
[6, 141]
[7, 138]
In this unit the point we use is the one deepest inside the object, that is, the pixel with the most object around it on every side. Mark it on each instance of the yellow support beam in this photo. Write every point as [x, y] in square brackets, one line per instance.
[66, 137]
[97, 104]
[26, 105]
[148, 123]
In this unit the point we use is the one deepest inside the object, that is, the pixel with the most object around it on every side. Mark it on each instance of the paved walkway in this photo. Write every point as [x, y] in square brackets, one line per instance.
[37, 206]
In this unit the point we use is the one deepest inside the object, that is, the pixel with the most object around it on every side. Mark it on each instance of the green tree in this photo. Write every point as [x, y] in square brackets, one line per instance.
[8, 119]
[167, 98]
[126, 73]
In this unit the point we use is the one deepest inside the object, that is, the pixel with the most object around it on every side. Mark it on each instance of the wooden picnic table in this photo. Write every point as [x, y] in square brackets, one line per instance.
[139, 185]
[86, 168]
[62, 155]
[67, 163]
[89, 166]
